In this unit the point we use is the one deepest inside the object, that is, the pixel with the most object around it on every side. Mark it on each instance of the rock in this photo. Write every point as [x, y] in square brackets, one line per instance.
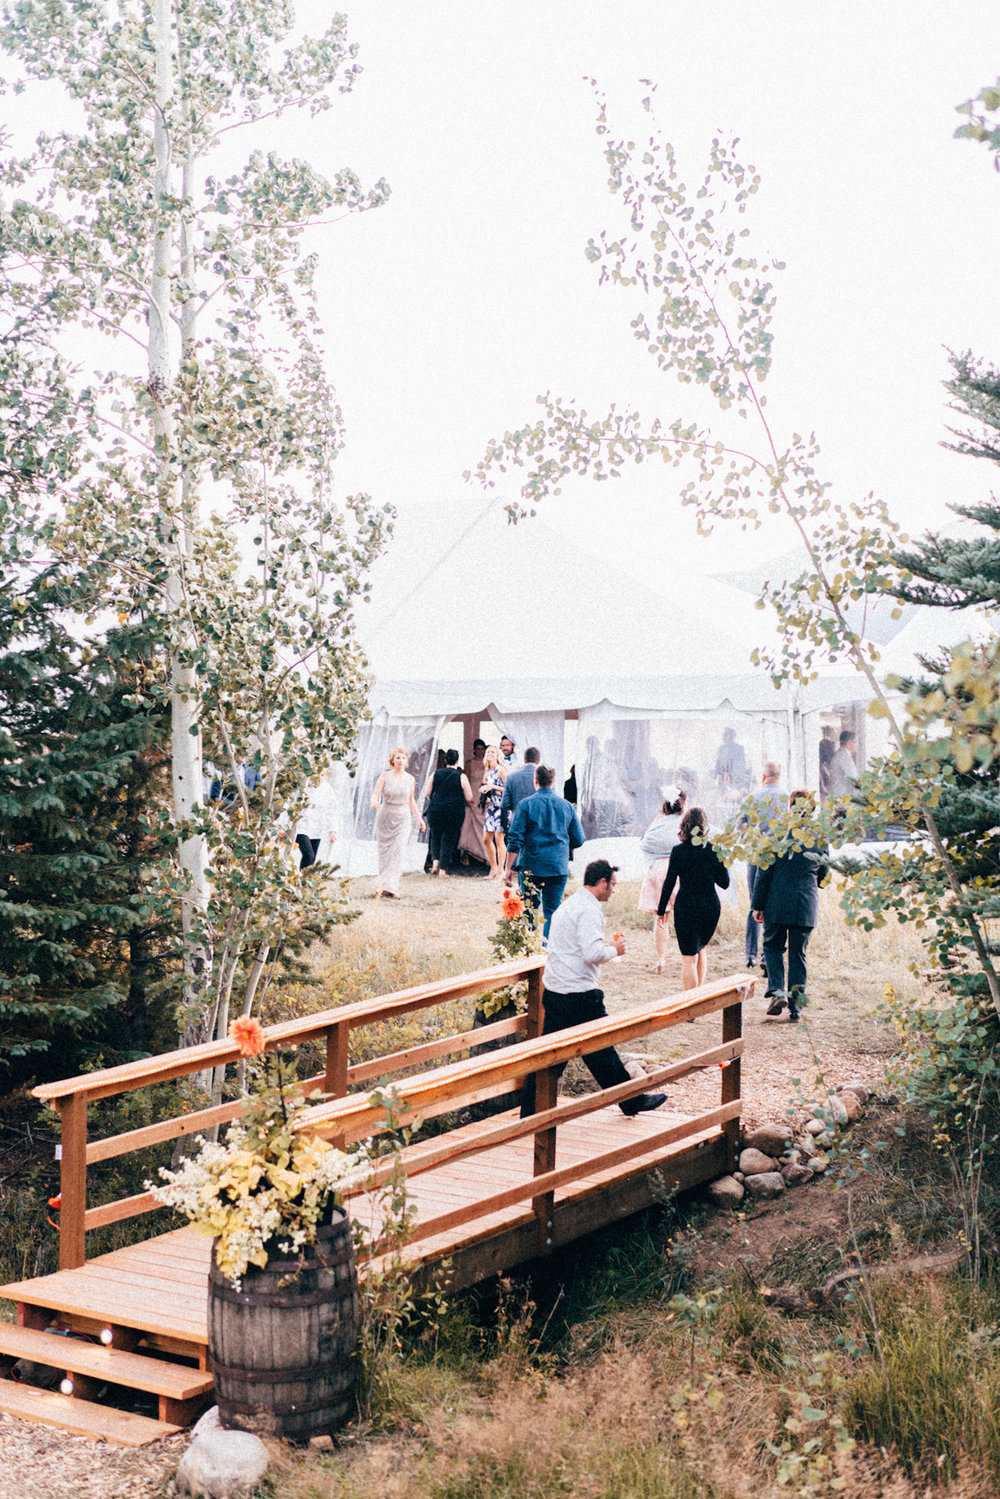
[322, 1443]
[634, 1069]
[754, 1162]
[819, 1162]
[806, 1147]
[861, 1090]
[795, 1174]
[766, 1184]
[726, 1192]
[738, 1177]
[832, 1111]
[836, 1110]
[771, 1139]
[852, 1104]
[207, 1421]
[791, 1157]
[222, 1465]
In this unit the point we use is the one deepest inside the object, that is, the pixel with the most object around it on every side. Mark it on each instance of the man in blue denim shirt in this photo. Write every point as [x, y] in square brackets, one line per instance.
[544, 832]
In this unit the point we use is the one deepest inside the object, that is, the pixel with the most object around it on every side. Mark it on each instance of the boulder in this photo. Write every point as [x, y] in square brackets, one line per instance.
[634, 1068]
[754, 1162]
[852, 1104]
[805, 1147]
[819, 1162]
[770, 1139]
[766, 1184]
[861, 1090]
[738, 1177]
[222, 1465]
[726, 1192]
[207, 1421]
[815, 1127]
[795, 1174]
[832, 1111]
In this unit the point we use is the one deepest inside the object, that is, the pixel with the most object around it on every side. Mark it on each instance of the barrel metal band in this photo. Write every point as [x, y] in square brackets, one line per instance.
[267, 1376]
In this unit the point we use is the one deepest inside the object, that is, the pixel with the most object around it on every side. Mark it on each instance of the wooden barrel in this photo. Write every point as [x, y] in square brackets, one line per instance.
[283, 1348]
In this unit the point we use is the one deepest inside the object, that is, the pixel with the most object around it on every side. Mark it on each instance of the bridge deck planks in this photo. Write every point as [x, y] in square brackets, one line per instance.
[160, 1285]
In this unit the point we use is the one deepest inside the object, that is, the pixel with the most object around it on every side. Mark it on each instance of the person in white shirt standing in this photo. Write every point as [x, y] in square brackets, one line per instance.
[576, 949]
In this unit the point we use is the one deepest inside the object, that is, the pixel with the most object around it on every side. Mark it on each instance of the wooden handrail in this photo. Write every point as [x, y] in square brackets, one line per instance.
[349, 1117]
[453, 1085]
[193, 1059]
[71, 1096]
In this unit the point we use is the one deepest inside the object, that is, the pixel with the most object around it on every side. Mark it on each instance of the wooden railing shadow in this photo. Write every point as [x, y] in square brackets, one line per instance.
[351, 1116]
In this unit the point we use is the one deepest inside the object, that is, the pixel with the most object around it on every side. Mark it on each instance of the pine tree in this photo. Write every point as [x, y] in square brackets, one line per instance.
[77, 761]
[955, 572]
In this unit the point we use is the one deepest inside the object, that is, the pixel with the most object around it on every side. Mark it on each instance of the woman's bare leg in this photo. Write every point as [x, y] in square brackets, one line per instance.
[702, 965]
[501, 854]
[689, 971]
[491, 854]
[660, 936]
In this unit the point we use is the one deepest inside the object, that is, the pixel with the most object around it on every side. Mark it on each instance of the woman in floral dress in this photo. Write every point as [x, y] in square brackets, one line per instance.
[491, 795]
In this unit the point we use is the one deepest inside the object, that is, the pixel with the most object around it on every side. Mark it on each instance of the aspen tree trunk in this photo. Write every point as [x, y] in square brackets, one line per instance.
[175, 532]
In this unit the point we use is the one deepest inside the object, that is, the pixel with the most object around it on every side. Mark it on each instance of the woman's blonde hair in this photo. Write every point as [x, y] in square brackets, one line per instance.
[498, 764]
[399, 750]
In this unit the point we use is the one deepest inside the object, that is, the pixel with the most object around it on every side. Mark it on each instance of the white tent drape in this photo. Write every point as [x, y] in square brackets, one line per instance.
[544, 731]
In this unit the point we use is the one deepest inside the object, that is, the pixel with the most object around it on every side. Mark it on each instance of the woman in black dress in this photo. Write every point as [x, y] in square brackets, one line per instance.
[450, 793]
[689, 891]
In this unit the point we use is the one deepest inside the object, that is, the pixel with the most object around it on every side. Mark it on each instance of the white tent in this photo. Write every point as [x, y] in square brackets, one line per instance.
[471, 618]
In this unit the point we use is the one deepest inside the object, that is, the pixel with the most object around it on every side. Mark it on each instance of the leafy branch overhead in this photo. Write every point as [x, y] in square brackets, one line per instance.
[702, 305]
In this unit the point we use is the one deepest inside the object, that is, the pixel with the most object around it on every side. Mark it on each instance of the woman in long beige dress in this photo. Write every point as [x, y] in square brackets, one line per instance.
[470, 839]
[394, 804]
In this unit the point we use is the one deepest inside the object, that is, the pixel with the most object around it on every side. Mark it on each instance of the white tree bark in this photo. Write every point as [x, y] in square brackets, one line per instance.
[175, 526]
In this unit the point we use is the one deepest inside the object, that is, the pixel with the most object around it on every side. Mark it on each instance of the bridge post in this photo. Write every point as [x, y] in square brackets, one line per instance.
[335, 1083]
[732, 1030]
[535, 1016]
[73, 1181]
[546, 1094]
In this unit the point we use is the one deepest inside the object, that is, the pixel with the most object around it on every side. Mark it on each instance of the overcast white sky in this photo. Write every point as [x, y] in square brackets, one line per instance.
[451, 308]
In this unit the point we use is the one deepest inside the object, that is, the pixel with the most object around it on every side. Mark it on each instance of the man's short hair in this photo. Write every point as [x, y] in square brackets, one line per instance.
[544, 775]
[846, 736]
[772, 771]
[532, 756]
[598, 870]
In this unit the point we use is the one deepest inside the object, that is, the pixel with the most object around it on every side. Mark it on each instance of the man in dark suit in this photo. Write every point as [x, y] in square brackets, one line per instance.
[518, 785]
[786, 900]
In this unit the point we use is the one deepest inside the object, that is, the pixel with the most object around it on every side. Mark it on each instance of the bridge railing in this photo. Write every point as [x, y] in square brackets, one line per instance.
[72, 1097]
[461, 1084]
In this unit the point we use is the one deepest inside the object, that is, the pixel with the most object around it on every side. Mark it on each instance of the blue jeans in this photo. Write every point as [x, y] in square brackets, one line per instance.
[548, 888]
[753, 927]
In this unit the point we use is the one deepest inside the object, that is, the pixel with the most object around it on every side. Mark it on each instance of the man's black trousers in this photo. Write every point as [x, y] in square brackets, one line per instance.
[562, 1011]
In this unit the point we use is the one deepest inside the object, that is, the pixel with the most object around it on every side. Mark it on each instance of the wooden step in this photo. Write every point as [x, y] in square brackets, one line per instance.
[81, 1417]
[109, 1365]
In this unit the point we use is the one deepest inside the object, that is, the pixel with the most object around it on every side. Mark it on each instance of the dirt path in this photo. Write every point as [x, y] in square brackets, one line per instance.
[841, 1035]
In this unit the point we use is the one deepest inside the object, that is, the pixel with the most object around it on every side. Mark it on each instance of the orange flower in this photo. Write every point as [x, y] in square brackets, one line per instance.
[248, 1035]
[618, 936]
[512, 905]
[56, 1202]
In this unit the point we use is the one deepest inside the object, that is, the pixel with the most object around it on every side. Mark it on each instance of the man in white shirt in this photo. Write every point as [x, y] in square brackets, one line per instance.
[576, 949]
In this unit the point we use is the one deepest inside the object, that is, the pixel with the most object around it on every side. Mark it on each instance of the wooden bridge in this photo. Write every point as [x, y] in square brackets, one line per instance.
[125, 1332]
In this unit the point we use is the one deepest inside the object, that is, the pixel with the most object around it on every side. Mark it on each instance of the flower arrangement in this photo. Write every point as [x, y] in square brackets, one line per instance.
[265, 1190]
[516, 936]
